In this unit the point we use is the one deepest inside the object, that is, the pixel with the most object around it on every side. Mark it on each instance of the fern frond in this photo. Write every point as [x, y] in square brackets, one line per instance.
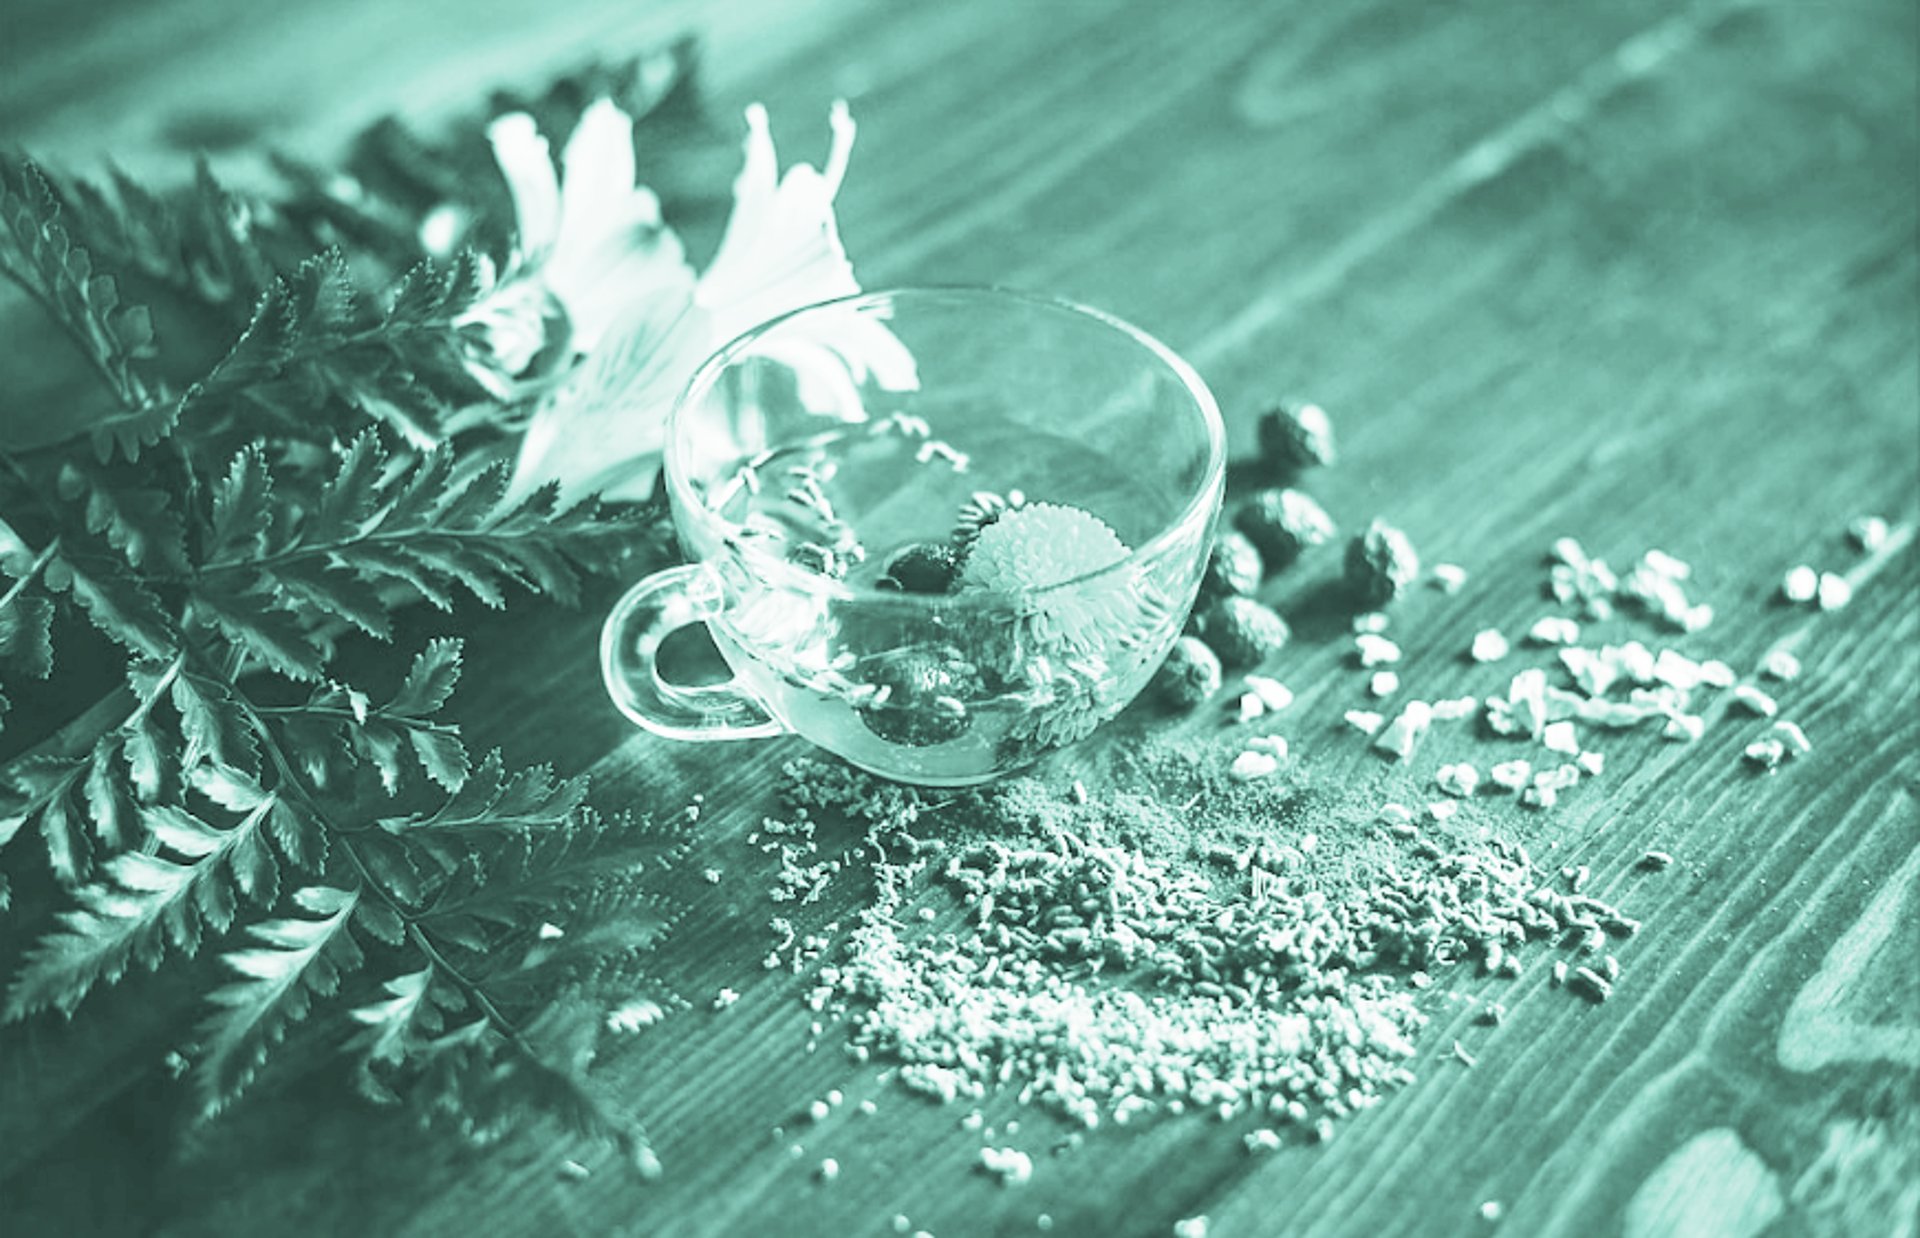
[298, 960]
[428, 528]
[200, 241]
[144, 906]
[118, 602]
[131, 516]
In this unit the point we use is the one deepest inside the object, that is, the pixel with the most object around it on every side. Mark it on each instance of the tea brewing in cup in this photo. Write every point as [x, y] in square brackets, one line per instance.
[944, 578]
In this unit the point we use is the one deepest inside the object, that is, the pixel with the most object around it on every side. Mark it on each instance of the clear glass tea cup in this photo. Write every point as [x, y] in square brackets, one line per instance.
[940, 577]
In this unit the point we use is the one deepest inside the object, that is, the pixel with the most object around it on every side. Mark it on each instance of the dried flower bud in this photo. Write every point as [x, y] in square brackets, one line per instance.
[1190, 674]
[1381, 563]
[1243, 631]
[1295, 436]
[1282, 523]
[1234, 567]
[922, 697]
[921, 567]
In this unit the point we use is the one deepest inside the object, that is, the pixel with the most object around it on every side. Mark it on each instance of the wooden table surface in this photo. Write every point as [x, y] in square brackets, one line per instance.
[1640, 272]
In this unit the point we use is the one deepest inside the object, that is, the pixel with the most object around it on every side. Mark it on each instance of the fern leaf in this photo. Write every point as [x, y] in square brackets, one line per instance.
[144, 905]
[199, 241]
[109, 799]
[132, 517]
[397, 1024]
[300, 837]
[255, 622]
[26, 634]
[43, 790]
[430, 680]
[297, 961]
[38, 254]
[214, 724]
[119, 603]
[339, 593]
[350, 497]
[441, 755]
[242, 508]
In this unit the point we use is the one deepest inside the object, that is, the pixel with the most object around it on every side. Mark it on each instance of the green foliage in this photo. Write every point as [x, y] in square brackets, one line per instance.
[217, 549]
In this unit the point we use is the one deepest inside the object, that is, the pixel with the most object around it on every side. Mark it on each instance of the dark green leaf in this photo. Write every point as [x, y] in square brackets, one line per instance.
[118, 602]
[26, 636]
[430, 680]
[214, 725]
[257, 625]
[242, 508]
[442, 755]
[298, 959]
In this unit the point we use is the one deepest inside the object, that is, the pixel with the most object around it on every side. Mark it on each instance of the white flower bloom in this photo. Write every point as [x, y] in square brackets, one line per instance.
[640, 322]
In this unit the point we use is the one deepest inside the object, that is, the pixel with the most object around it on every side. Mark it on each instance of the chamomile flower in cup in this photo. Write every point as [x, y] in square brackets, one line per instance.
[941, 570]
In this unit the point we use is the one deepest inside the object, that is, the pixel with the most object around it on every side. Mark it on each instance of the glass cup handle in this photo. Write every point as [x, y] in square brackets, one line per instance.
[630, 642]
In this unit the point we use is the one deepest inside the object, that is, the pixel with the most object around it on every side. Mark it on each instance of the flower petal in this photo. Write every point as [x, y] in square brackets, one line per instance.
[526, 164]
[599, 172]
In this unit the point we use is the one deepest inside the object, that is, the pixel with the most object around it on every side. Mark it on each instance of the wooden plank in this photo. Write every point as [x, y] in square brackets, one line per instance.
[1644, 276]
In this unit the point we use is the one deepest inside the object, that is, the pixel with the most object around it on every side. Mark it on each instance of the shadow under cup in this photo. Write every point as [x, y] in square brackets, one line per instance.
[939, 532]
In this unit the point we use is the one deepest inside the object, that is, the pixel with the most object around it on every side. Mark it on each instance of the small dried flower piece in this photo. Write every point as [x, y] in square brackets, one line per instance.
[1234, 568]
[1869, 533]
[1561, 737]
[1592, 763]
[1833, 591]
[1372, 621]
[1375, 650]
[1780, 664]
[1554, 630]
[1276, 747]
[1275, 695]
[1190, 674]
[1364, 720]
[1282, 524]
[1489, 646]
[1801, 584]
[829, 1169]
[1793, 737]
[1251, 706]
[1440, 810]
[1244, 632]
[1755, 701]
[1405, 732]
[1381, 564]
[1767, 753]
[1511, 775]
[1295, 436]
[1012, 1166]
[1383, 683]
[1455, 708]
[1449, 578]
[1251, 765]
[1686, 727]
[1460, 779]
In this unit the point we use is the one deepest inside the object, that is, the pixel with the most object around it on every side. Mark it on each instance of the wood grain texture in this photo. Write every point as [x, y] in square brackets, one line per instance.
[1641, 273]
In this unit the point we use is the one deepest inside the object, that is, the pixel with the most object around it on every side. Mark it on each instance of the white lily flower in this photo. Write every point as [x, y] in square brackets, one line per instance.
[641, 322]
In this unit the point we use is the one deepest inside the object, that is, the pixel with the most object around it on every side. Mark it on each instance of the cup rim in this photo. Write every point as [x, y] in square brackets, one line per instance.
[707, 373]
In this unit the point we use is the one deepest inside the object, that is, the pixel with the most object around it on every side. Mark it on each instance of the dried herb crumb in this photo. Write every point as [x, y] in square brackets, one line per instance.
[1869, 533]
[1283, 524]
[1190, 675]
[1234, 567]
[1295, 436]
[1381, 563]
[1243, 632]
